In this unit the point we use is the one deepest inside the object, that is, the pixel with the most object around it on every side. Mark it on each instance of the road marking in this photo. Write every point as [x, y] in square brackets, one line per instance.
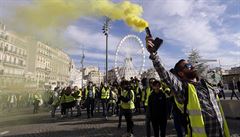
[4, 132]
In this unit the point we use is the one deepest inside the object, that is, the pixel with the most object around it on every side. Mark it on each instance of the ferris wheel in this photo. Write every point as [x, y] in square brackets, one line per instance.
[129, 57]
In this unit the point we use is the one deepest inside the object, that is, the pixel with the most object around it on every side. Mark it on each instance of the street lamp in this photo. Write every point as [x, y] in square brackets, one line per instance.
[105, 29]
[82, 59]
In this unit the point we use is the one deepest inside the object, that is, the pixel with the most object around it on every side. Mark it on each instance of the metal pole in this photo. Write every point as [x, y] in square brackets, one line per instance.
[82, 64]
[105, 32]
[106, 58]
[82, 75]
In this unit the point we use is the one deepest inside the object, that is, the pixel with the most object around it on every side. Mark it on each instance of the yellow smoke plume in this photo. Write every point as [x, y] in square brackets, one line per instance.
[61, 13]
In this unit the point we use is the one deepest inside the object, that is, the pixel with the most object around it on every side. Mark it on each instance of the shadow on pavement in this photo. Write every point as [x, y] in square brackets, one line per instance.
[139, 131]
[101, 121]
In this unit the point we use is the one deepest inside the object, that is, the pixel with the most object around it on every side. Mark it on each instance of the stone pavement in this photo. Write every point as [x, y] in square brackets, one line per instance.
[42, 125]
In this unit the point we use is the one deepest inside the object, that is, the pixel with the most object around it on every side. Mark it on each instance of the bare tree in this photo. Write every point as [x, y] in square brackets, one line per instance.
[195, 59]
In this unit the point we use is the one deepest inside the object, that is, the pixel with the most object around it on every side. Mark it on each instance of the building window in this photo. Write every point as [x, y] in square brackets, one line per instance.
[1, 56]
[11, 48]
[7, 58]
[17, 51]
[17, 61]
[1, 46]
[21, 62]
[20, 52]
[6, 48]
[12, 59]
[14, 49]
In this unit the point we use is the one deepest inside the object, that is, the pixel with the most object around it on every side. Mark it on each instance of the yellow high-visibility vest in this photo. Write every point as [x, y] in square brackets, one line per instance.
[93, 90]
[129, 104]
[147, 94]
[196, 126]
[105, 94]
[79, 95]
[67, 99]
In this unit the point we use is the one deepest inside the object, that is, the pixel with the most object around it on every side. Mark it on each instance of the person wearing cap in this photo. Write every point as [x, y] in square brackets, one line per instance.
[196, 99]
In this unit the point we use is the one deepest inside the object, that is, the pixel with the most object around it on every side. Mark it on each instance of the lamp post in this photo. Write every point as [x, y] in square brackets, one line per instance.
[105, 32]
[82, 59]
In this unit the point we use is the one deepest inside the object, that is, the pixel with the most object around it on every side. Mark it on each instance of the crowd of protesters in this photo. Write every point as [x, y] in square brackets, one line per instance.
[124, 98]
[22, 100]
[147, 96]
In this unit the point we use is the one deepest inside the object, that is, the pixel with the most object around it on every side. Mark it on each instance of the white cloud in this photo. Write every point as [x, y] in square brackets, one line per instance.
[226, 58]
[233, 38]
[194, 24]
[187, 22]
[235, 16]
[192, 34]
[91, 40]
[181, 8]
[236, 53]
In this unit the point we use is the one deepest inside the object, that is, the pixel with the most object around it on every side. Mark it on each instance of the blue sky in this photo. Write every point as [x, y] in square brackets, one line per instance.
[210, 26]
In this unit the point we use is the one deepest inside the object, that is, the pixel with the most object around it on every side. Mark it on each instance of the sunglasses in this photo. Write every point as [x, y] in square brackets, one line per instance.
[187, 66]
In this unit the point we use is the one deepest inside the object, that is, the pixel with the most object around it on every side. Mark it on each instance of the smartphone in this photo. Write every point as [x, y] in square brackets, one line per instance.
[157, 42]
[148, 31]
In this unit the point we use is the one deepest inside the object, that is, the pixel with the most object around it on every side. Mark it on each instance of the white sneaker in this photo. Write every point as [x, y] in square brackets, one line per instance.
[130, 135]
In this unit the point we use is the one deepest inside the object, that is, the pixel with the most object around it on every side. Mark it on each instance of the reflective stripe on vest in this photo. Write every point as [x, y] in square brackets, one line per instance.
[129, 104]
[105, 93]
[194, 112]
[195, 115]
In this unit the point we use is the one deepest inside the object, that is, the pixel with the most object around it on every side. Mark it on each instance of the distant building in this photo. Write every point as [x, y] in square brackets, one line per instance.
[75, 76]
[27, 62]
[93, 74]
[233, 75]
[96, 77]
[48, 64]
[150, 73]
[112, 75]
[234, 70]
[88, 69]
[13, 59]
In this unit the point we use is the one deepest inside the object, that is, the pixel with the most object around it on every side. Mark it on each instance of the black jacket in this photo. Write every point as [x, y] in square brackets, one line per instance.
[157, 107]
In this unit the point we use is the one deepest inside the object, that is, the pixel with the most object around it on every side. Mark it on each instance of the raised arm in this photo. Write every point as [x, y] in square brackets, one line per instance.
[170, 79]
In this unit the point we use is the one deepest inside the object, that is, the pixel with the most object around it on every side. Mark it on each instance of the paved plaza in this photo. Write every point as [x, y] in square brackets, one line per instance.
[42, 125]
